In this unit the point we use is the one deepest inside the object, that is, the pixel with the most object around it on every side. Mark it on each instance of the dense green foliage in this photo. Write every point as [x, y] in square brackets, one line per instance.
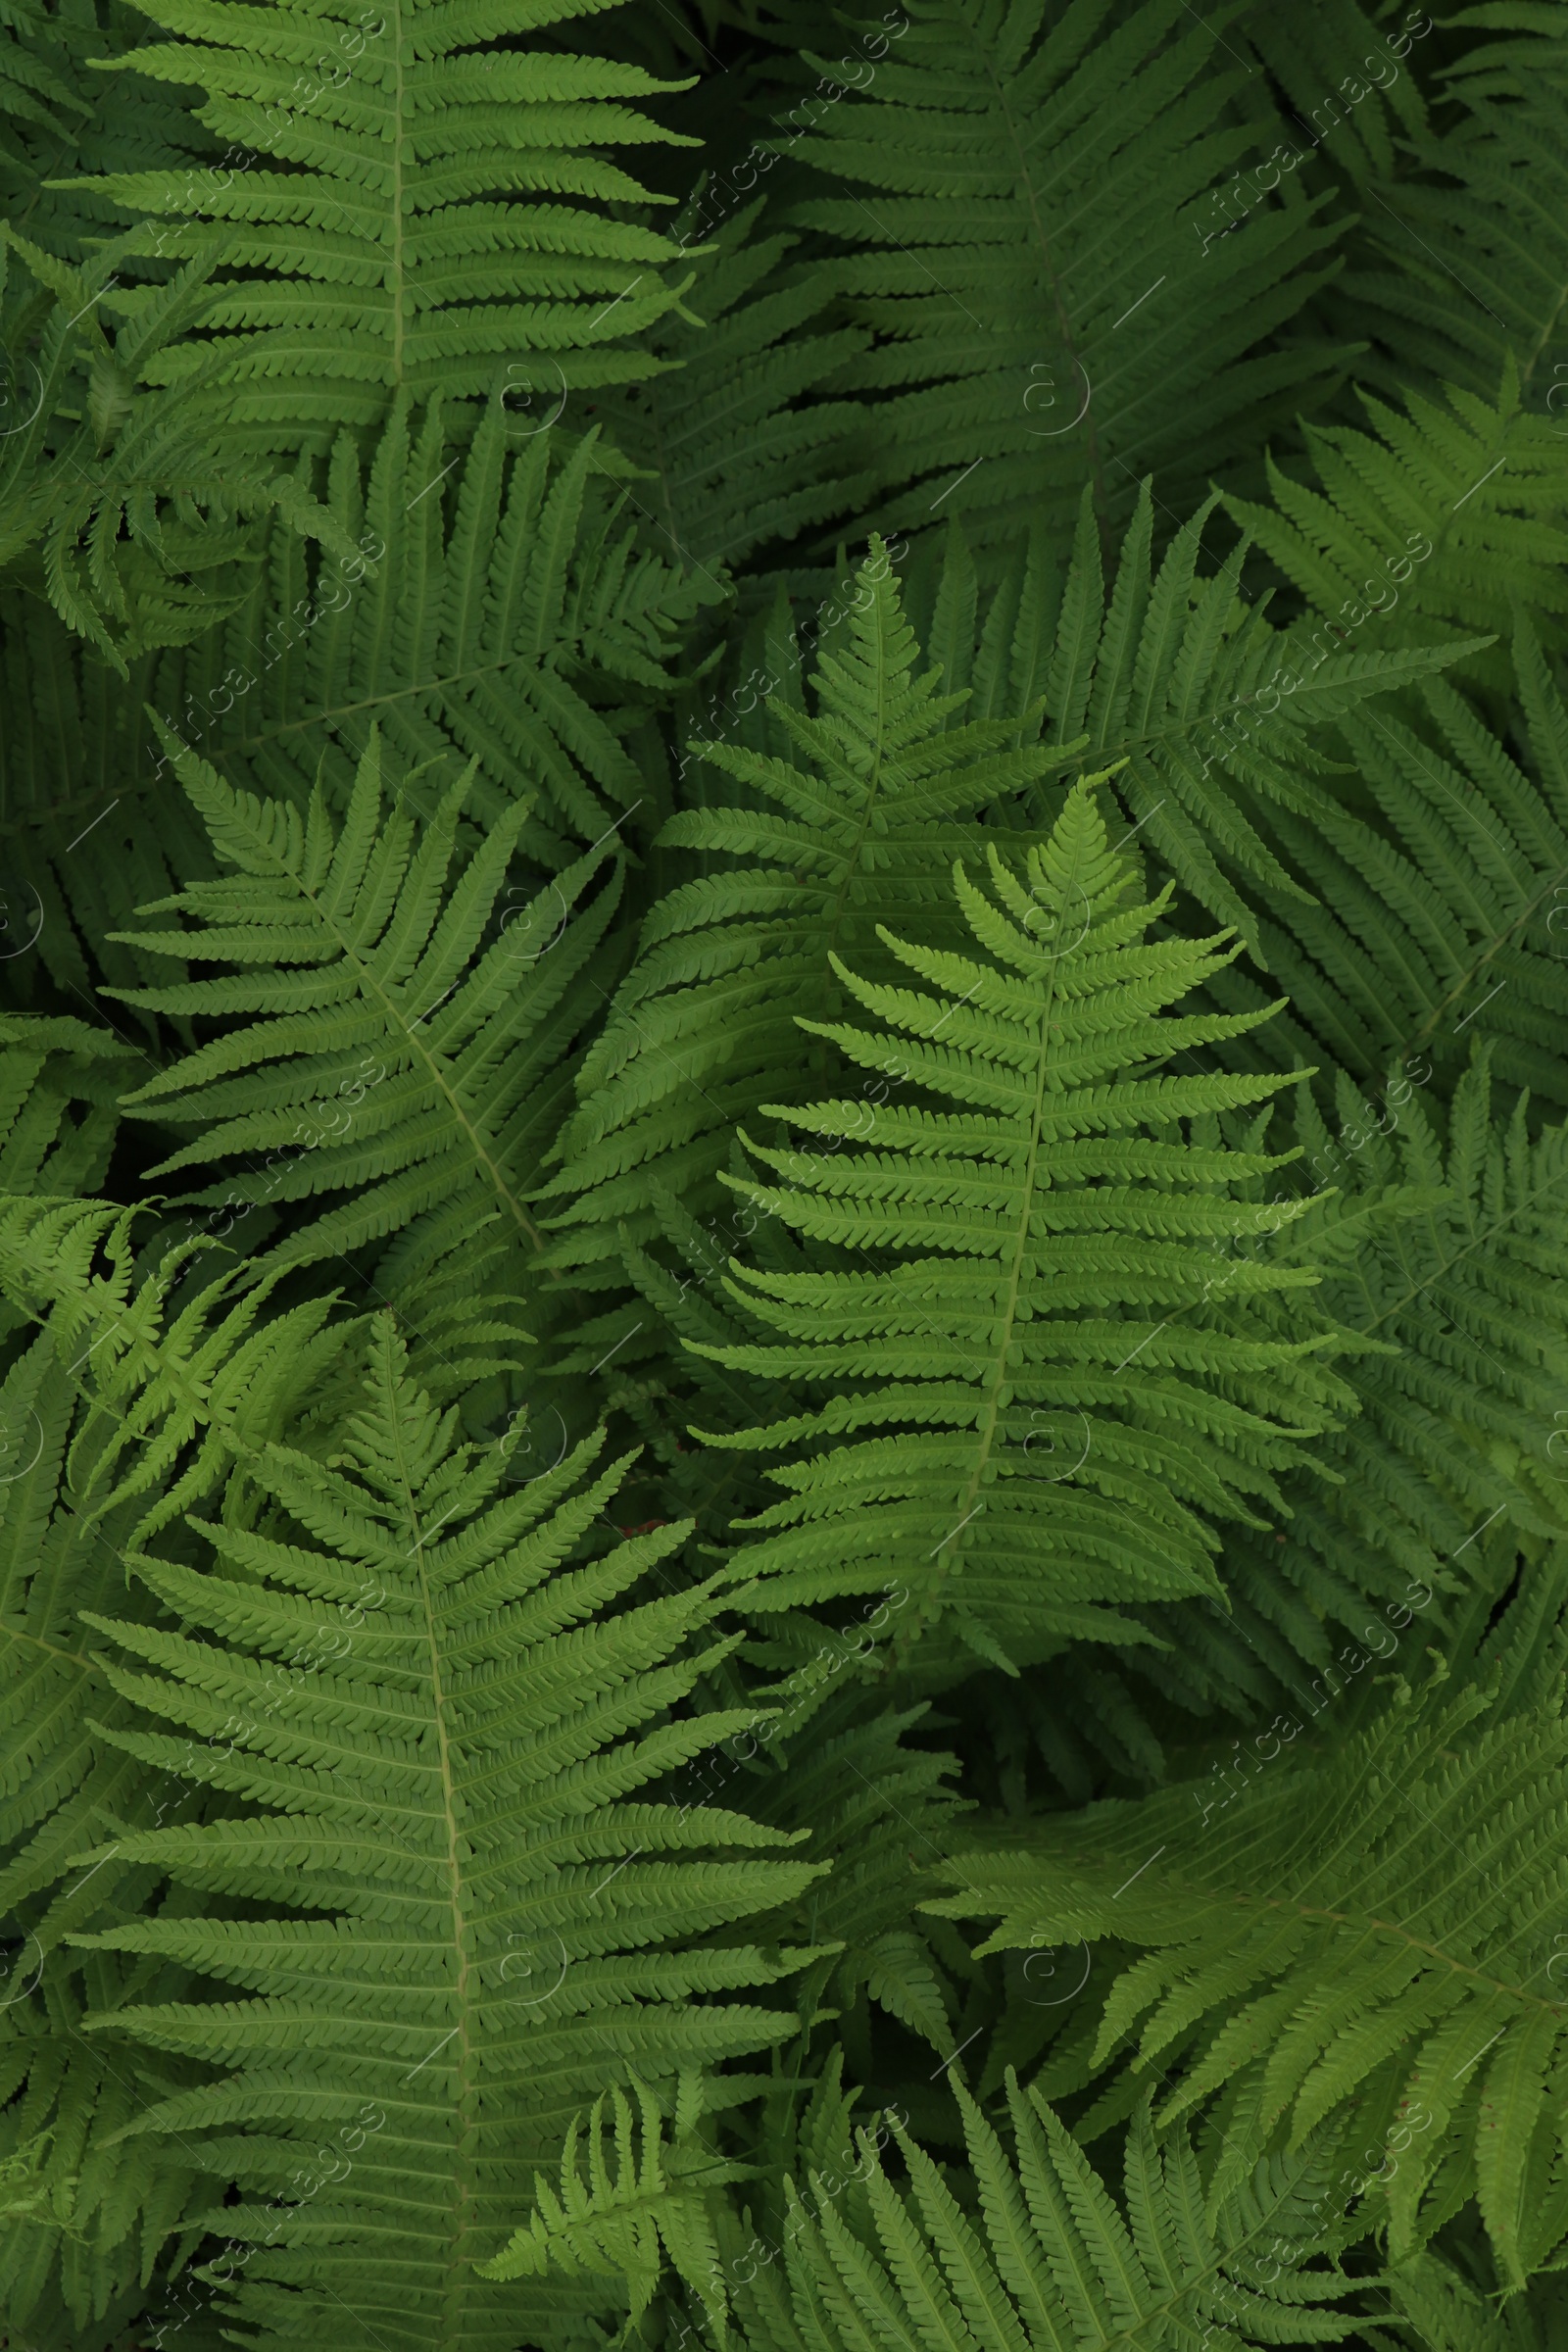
[783, 1351]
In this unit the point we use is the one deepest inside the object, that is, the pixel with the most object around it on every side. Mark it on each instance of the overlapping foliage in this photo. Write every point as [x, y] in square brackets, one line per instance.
[783, 1371]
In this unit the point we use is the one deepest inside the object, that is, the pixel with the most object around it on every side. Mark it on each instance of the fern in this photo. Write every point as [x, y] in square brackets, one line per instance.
[1025, 224]
[703, 1028]
[1039, 2252]
[1462, 261]
[58, 1114]
[737, 456]
[1444, 520]
[636, 2209]
[1438, 913]
[1176, 683]
[1360, 118]
[495, 608]
[1370, 1925]
[381, 995]
[1048, 1048]
[491, 1824]
[1019, 1107]
[137, 477]
[409, 233]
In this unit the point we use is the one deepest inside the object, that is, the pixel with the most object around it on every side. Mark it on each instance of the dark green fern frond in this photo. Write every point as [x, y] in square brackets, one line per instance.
[1371, 1922]
[1350, 87]
[1457, 1432]
[1176, 681]
[36, 95]
[1029, 229]
[411, 210]
[1439, 2306]
[1440, 915]
[1463, 261]
[1073, 1283]
[500, 605]
[1441, 1245]
[476, 1916]
[1031, 2250]
[878, 1808]
[399, 1043]
[703, 1029]
[112, 496]
[740, 457]
[58, 1111]
[1433, 528]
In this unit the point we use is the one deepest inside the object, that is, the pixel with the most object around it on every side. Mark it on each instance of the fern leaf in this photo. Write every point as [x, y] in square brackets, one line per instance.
[1370, 1923]
[1430, 529]
[1070, 1249]
[496, 607]
[704, 1030]
[1040, 2256]
[378, 989]
[1029, 228]
[460, 1795]
[404, 218]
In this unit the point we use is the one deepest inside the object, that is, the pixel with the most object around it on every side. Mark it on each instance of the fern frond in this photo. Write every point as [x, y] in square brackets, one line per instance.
[1350, 88]
[1371, 1924]
[1030, 232]
[111, 519]
[1072, 1247]
[450, 1803]
[58, 1112]
[1177, 682]
[1430, 529]
[644, 2201]
[741, 456]
[498, 607]
[165, 1366]
[1037, 2253]
[1440, 914]
[703, 1029]
[410, 213]
[1462, 261]
[385, 1037]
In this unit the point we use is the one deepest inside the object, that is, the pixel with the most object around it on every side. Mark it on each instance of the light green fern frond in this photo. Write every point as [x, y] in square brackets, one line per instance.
[475, 1917]
[1370, 1923]
[393, 1031]
[644, 2202]
[1070, 1285]
[414, 206]
[90, 2220]
[166, 1362]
